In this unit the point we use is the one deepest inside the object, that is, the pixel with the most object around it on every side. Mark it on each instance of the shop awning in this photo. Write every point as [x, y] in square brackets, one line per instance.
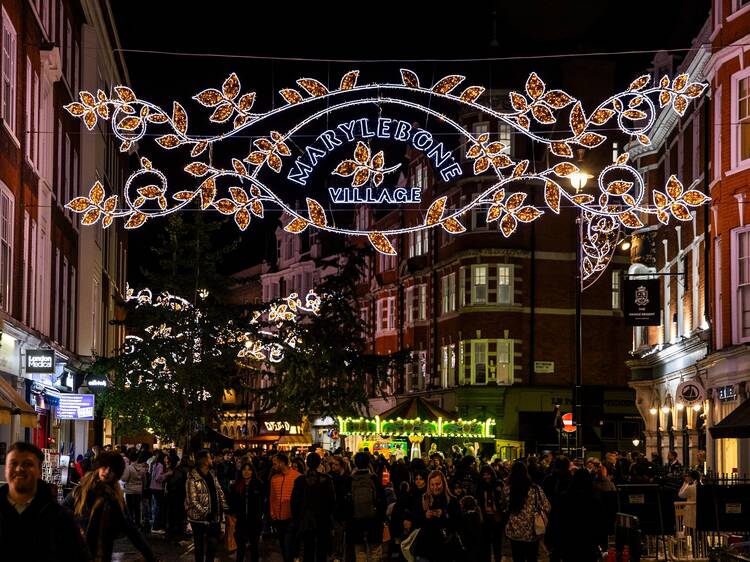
[259, 439]
[12, 403]
[735, 426]
[416, 407]
[295, 441]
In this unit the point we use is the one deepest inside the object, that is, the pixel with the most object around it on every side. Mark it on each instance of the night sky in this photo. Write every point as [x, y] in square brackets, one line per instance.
[529, 30]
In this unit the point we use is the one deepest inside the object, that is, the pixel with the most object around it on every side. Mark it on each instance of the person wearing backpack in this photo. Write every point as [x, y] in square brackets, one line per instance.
[368, 512]
[312, 502]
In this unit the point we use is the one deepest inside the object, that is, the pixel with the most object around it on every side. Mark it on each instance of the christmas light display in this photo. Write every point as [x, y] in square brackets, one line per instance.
[418, 427]
[622, 200]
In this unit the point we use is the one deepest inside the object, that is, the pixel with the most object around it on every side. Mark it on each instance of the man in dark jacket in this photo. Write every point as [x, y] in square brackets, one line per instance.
[368, 511]
[33, 526]
[312, 503]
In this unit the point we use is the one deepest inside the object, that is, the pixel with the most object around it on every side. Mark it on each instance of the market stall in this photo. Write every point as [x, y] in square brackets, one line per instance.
[415, 420]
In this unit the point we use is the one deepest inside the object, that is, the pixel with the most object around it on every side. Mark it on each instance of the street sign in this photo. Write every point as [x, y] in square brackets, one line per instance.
[690, 392]
[568, 426]
[642, 302]
[544, 366]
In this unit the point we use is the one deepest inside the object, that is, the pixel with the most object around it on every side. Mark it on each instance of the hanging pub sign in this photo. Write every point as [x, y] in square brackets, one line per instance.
[40, 361]
[347, 144]
[690, 392]
[642, 302]
[96, 382]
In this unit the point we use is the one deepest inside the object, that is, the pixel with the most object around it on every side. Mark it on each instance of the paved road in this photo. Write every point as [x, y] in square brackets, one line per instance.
[182, 551]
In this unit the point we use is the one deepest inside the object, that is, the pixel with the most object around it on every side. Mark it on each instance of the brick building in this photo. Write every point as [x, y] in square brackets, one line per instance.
[51, 299]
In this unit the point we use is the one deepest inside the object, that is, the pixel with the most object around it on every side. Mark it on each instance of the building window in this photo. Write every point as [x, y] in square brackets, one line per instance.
[449, 293]
[741, 284]
[8, 101]
[418, 243]
[478, 284]
[7, 204]
[485, 361]
[741, 118]
[479, 362]
[616, 276]
[386, 262]
[505, 284]
[448, 365]
[386, 314]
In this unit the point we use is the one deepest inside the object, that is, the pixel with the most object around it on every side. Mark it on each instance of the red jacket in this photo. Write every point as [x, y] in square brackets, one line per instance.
[281, 494]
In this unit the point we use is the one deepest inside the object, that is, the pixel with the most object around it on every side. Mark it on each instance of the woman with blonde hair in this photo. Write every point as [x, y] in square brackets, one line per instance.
[98, 504]
[438, 517]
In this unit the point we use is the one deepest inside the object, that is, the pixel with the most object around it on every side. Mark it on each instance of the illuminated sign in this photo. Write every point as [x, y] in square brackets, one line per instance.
[388, 120]
[75, 407]
[40, 361]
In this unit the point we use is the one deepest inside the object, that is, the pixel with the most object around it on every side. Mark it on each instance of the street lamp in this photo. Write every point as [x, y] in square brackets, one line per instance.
[636, 442]
[578, 182]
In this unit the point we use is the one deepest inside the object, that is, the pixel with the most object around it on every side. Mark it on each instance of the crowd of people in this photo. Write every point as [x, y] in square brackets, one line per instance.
[320, 506]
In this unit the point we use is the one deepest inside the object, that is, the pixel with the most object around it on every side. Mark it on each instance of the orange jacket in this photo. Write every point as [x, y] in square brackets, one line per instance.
[281, 493]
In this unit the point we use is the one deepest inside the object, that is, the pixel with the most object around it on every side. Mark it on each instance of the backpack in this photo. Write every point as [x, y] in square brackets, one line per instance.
[363, 496]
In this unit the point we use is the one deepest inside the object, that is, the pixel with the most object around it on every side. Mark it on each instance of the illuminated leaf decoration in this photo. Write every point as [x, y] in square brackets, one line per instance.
[96, 193]
[146, 163]
[564, 169]
[225, 206]
[680, 211]
[639, 83]
[557, 99]
[75, 109]
[552, 195]
[297, 225]
[110, 204]
[127, 124]
[534, 86]
[630, 219]
[694, 198]
[518, 101]
[528, 213]
[447, 84]
[674, 187]
[481, 165]
[623, 158]
[582, 199]
[471, 93]
[231, 86]
[577, 119]
[239, 167]
[435, 212]
[197, 169]
[409, 79]
[523, 122]
[246, 101]
[209, 97]
[494, 213]
[635, 114]
[361, 153]
[360, 177]
[312, 87]
[664, 98]
[242, 218]
[107, 221]
[184, 195]
[381, 243]
[680, 104]
[91, 216]
[170, 141]
[591, 140]
[222, 113]
[508, 225]
[208, 192]
[680, 82]
[179, 118]
[514, 201]
[290, 95]
[453, 226]
[87, 98]
[136, 220]
[619, 187]
[239, 195]
[315, 212]
[561, 149]
[663, 217]
[256, 207]
[696, 89]
[349, 80]
[542, 114]
[198, 149]
[520, 168]
[345, 168]
[644, 140]
[601, 116]
[125, 94]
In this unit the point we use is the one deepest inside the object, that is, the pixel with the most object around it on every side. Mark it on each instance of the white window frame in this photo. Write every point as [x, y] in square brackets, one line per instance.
[716, 164]
[737, 163]
[505, 136]
[505, 271]
[73, 309]
[33, 305]
[7, 225]
[696, 145]
[505, 378]
[422, 302]
[385, 312]
[448, 292]
[25, 257]
[718, 294]
[737, 337]
[9, 75]
[65, 302]
[95, 313]
[474, 275]
[28, 113]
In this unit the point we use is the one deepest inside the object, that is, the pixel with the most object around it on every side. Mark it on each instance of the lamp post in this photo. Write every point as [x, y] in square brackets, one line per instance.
[578, 182]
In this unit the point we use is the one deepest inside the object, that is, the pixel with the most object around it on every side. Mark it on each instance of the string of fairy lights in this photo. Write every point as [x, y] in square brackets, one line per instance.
[250, 183]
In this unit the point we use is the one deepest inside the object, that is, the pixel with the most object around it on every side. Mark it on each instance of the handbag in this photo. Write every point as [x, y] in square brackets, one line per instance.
[540, 516]
[407, 545]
